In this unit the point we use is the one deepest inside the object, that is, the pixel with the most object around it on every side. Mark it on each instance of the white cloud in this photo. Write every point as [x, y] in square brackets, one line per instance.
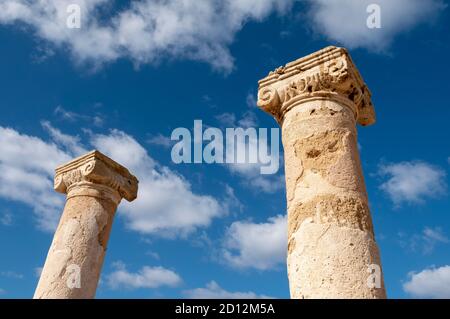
[331, 18]
[27, 164]
[146, 277]
[150, 31]
[227, 119]
[11, 274]
[432, 237]
[429, 283]
[145, 31]
[214, 291]
[261, 246]
[412, 182]
[166, 205]
[248, 119]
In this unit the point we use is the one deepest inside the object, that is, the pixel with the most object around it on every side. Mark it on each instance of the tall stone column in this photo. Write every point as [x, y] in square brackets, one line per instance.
[318, 100]
[94, 185]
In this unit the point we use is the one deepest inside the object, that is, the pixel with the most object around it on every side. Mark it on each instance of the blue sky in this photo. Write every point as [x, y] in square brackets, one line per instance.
[136, 71]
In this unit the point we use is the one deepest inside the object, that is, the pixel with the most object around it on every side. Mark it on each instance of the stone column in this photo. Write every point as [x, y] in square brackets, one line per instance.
[94, 185]
[318, 100]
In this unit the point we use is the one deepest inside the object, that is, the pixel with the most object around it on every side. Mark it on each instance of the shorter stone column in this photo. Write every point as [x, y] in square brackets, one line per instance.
[94, 185]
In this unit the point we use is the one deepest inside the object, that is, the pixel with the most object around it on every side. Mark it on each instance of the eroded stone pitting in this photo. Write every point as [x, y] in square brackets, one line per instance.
[352, 212]
[319, 150]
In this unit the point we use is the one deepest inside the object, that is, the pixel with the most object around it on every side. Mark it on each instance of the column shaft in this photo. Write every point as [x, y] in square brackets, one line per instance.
[330, 234]
[79, 243]
[318, 100]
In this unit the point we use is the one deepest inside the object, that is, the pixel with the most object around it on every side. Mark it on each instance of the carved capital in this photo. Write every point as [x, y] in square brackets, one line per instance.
[328, 73]
[97, 175]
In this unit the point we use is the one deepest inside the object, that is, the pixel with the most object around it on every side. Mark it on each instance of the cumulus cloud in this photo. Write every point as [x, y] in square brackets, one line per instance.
[11, 274]
[69, 143]
[412, 182]
[345, 21]
[146, 277]
[432, 237]
[429, 283]
[251, 245]
[71, 116]
[214, 291]
[27, 164]
[166, 205]
[149, 31]
[144, 31]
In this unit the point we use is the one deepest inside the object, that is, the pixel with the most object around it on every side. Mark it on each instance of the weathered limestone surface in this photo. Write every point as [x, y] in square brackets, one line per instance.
[318, 100]
[94, 185]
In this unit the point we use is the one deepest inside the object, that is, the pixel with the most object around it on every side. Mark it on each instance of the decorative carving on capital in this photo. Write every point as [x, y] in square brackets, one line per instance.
[327, 73]
[93, 169]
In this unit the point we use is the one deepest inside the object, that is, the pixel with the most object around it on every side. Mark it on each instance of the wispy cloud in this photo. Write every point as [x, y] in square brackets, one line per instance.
[412, 182]
[160, 140]
[429, 283]
[250, 100]
[27, 164]
[145, 31]
[38, 271]
[6, 218]
[71, 144]
[330, 18]
[166, 205]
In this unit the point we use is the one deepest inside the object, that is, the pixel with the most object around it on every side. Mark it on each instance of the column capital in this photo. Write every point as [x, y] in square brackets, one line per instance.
[326, 74]
[95, 174]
